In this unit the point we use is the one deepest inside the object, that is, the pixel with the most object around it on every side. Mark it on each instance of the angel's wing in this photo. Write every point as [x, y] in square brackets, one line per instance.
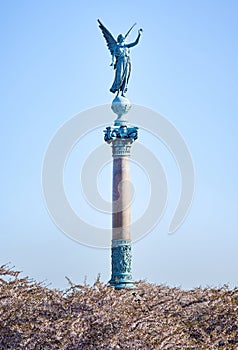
[111, 42]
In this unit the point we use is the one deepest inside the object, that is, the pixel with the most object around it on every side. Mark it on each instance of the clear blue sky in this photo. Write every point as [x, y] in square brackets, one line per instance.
[54, 64]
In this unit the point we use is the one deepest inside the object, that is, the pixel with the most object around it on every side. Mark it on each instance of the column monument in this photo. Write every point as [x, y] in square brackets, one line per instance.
[120, 136]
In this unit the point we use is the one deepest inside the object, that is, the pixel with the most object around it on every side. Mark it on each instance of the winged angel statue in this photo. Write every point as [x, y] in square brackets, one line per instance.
[120, 52]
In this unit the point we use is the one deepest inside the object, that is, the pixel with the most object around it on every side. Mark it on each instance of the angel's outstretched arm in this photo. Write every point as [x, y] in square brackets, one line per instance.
[137, 39]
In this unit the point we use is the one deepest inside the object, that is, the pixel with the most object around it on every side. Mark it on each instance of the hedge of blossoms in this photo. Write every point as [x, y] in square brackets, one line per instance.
[33, 316]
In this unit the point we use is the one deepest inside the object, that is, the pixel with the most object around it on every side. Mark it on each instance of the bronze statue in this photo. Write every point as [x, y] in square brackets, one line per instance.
[120, 51]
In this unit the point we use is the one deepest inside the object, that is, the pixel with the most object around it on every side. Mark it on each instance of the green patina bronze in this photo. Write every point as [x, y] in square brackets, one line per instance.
[121, 264]
[120, 51]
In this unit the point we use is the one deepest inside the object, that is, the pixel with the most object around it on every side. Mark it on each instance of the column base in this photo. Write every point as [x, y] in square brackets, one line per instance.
[122, 281]
[123, 284]
[121, 265]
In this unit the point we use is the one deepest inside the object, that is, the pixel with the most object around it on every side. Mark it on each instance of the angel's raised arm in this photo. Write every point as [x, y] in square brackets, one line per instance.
[137, 39]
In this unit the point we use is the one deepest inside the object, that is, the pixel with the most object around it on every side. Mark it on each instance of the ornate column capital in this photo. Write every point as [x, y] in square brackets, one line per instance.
[121, 138]
[121, 147]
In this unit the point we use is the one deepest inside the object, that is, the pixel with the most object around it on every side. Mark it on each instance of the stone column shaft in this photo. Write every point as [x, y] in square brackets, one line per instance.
[121, 215]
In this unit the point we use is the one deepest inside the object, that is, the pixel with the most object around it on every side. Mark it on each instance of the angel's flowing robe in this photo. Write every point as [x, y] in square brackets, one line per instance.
[122, 69]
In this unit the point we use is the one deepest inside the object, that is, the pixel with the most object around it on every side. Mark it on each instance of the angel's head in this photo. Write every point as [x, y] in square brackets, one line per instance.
[121, 38]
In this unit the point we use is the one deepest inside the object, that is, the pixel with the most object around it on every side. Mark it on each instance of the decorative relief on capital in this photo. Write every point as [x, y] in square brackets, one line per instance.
[121, 148]
[121, 139]
[123, 132]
